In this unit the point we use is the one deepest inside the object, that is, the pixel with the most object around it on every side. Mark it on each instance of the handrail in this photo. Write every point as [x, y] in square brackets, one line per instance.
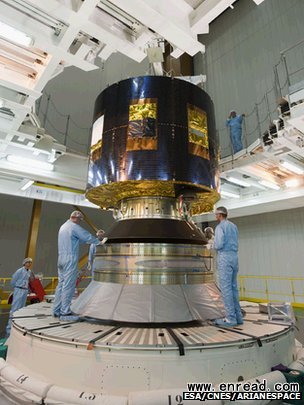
[292, 46]
[264, 294]
[282, 74]
[50, 284]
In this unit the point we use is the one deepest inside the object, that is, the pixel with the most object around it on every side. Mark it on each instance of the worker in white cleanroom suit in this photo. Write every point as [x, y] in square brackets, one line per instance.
[226, 245]
[20, 282]
[70, 235]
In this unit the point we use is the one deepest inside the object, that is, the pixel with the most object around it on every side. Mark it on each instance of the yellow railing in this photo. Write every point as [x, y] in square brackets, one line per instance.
[265, 293]
[268, 290]
[49, 283]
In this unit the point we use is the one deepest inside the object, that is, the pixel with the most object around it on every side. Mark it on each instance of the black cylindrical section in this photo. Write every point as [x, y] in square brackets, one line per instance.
[153, 128]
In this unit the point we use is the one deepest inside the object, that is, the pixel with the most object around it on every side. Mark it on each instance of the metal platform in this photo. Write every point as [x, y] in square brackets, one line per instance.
[115, 363]
[36, 320]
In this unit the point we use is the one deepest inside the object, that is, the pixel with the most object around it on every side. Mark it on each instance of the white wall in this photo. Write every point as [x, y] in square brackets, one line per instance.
[272, 244]
[15, 215]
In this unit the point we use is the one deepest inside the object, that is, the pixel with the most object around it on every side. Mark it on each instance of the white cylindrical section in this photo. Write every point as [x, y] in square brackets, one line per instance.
[59, 395]
[24, 381]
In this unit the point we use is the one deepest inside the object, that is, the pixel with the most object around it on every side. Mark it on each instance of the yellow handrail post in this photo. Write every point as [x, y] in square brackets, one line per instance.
[293, 291]
[266, 290]
[242, 287]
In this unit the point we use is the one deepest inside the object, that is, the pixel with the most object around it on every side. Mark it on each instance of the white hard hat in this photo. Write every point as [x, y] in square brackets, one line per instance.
[77, 214]
[100, 232]
[27, 260]
[209, 230]
[221, 210]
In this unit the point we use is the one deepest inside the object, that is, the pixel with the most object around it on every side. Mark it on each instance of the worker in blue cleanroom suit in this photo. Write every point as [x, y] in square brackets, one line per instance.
[70, 235]
[92, 251]
[234, 124]
[226, 245]
[20, 282]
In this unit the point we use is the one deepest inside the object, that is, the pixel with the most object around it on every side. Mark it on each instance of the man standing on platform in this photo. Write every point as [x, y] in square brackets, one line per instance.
[234, 124]
[20, 282]
[226, 245]
[70, 235]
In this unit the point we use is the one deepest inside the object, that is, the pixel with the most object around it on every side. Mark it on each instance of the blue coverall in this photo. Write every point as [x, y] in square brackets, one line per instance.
[226, 245]
[235, 128]
[69, 237]
[20, 282]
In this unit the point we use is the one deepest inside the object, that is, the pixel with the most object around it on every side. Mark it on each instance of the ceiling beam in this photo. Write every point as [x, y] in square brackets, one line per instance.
[174, 31]
[206, 12]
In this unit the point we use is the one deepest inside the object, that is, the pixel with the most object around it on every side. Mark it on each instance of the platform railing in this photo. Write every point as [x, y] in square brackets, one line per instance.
[272, 288]
[251, 288]
[258, 120]
[49, 284]
[285, 74]
[295, 53]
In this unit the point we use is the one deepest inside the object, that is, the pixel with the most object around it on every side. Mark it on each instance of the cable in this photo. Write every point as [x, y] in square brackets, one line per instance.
[50, 123]
[78, 126]
[54, 106]
[78, 143]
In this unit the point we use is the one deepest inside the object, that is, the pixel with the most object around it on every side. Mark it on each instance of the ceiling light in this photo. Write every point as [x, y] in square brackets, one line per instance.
[14, 35]
[237, 181]
[27, 185]
[258, 2]
[269, 184]
[29, 163]
[292, 183]
[292, 167]
[228, 194]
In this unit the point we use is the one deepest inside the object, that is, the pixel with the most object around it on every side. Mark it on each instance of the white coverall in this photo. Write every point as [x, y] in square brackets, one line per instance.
[226, 245]
[20, 282]
[69, 237]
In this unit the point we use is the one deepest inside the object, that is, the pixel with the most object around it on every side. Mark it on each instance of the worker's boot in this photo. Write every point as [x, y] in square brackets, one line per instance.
[239, 319]
[224, 323]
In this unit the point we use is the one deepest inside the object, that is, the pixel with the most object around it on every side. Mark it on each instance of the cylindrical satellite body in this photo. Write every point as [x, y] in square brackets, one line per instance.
[154, 162]
[153, 136]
